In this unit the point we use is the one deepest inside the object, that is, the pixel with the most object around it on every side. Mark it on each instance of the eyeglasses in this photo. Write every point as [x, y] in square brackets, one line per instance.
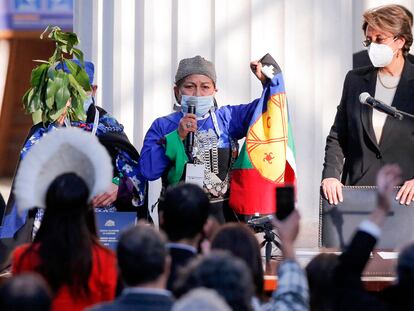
[379, 40]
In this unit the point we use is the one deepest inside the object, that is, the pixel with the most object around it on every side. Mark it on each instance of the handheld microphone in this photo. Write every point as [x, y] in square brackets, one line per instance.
[189, 140]
[367, 99]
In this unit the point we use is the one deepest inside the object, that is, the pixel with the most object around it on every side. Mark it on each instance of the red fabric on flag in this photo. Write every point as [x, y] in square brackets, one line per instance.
[261, 193]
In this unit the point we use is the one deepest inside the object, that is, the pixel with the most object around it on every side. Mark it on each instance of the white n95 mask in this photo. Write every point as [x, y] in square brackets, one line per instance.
[380, 54]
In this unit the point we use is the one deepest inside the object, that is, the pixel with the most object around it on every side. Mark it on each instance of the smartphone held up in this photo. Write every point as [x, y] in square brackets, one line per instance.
[285, 201]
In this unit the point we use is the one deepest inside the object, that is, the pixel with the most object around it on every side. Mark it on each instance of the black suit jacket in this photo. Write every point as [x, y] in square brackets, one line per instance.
[137, 301]
[179, 259]
[350, 293]
[351, 146]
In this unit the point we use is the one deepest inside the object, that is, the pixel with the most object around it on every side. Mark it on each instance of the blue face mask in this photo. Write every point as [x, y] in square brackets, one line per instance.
[202, 103]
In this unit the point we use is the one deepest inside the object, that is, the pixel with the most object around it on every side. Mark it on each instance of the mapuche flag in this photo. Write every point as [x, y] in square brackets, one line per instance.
[267, 158]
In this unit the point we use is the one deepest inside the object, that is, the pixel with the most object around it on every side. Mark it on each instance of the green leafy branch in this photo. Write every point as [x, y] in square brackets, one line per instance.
[54, 92]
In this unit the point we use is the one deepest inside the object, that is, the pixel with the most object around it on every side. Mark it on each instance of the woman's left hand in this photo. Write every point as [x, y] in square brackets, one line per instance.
[106, 198]
[256, 68]
[406, 193]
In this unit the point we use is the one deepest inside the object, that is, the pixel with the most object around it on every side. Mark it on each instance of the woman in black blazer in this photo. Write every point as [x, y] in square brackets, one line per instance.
[361, 140]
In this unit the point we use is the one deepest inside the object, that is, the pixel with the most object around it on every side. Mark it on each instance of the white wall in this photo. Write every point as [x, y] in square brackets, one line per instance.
[136, 46]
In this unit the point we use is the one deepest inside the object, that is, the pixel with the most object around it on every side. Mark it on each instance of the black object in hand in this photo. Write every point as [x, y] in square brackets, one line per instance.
[270, 68]
[285, 201]
[189, 140]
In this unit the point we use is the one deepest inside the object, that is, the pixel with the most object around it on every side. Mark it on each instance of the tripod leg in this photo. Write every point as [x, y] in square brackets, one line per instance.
[272, 239]
[262, 244]
[277, 244]
[268, 251]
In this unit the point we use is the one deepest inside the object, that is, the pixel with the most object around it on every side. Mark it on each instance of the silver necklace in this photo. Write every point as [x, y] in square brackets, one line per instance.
[386, 86]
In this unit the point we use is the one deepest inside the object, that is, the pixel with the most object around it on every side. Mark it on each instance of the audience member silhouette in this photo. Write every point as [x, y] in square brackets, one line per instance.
[320, 273]
[201, 299]
[144, 266]
[220, 271]
[183, 216]
[25, 292]
[66, 250]
[242, 243]
[62, 173]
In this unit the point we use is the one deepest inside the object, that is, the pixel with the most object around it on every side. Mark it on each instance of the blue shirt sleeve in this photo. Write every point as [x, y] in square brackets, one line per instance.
[237, 118]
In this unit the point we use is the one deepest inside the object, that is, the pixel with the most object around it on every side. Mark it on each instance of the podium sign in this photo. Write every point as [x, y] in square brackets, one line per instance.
[110, 225]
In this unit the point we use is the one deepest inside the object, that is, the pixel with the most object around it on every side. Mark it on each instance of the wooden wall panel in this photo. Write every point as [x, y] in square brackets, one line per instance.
[14, 122]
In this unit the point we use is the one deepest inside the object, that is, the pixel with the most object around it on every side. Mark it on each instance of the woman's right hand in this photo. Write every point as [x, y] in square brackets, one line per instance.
[187, 124]
[332, 190]
[256, 68]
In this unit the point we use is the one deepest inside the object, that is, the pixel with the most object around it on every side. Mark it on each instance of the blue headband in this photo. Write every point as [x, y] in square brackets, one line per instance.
[89, 68]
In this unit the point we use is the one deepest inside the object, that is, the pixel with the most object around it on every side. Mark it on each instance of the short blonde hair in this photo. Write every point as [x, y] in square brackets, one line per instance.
[392, 18]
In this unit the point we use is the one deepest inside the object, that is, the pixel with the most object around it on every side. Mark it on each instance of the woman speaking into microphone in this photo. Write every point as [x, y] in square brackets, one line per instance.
[362, 140]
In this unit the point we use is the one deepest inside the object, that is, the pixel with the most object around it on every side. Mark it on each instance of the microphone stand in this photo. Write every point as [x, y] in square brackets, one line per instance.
[397, 114]
[403, 113]
[367, 99]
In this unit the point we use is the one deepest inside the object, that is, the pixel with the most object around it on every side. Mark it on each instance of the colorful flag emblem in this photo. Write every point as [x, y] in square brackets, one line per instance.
[267, 158]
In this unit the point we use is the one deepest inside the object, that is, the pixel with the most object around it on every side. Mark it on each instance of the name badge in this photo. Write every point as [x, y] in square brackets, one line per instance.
[195, 174]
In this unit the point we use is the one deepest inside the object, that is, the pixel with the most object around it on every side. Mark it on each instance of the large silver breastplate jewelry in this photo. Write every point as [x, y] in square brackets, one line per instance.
[206, 152]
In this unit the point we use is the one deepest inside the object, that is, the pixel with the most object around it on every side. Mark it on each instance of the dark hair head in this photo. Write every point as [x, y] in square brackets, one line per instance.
[141, 254]
[66, 235]
[320, 271]
[242, 243]
[67, 192]
[185, 210]
[27, 291]
[405, 266]
[222, 272]
[201, 299]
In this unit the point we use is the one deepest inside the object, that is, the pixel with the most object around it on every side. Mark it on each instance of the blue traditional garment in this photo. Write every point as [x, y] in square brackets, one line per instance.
[163, 153]
[232, 121]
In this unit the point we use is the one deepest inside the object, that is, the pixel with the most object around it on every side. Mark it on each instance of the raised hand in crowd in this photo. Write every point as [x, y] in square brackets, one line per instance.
[288, 230]
[388, 177]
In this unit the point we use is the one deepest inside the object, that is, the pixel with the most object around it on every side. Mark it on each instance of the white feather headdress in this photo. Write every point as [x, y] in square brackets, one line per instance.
[64, 150]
